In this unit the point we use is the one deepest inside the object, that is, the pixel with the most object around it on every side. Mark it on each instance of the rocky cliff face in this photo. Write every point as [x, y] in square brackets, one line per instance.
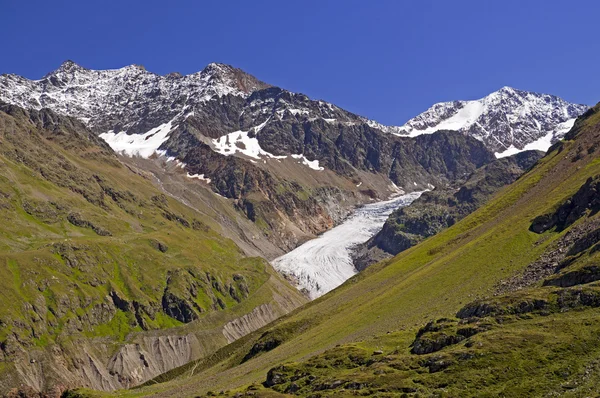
[441, 208]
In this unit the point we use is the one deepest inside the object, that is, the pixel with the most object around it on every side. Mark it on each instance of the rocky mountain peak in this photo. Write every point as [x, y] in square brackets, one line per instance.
[507, 120]
[69, 65]
[222, 74]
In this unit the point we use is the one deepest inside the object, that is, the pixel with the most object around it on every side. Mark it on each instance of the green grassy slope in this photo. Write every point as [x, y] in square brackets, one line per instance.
[432, 280]
[89, 249]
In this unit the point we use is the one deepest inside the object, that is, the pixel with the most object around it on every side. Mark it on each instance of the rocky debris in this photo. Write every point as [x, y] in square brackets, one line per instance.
[29, 392]
[239, 327]
[560, 254]
[586, 199]
[136, 363]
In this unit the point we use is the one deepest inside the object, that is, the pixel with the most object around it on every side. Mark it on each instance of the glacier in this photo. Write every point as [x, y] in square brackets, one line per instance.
[322, 264]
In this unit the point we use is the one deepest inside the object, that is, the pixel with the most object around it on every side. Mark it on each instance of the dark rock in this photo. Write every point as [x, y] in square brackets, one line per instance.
[292, 388]
[178, 308]
[587, 198]
[436, 364]
[581, 276]
[158, 245]
[75, 219]
[276, 376]
[267, 342]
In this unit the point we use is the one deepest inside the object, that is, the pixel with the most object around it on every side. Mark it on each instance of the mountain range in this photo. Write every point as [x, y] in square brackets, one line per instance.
[134, 101]
[292, 165]
[141, 210]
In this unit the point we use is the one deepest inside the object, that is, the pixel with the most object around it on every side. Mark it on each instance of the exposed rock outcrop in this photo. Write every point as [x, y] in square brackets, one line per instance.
[586, 199]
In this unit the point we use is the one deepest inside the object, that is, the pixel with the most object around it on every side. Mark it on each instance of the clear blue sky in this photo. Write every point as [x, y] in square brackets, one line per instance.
[388, 60]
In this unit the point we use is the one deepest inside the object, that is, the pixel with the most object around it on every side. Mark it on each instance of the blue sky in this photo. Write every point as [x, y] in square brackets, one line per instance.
[388, 60]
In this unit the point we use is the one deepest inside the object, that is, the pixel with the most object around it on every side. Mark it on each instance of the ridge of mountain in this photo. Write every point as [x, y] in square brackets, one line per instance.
[115, 100]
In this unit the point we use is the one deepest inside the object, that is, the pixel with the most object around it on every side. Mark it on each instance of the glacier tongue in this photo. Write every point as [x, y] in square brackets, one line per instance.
[324, 263]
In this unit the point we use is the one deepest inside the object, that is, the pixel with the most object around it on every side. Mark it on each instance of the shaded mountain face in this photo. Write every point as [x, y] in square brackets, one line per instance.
[505, 120]
[441, 208]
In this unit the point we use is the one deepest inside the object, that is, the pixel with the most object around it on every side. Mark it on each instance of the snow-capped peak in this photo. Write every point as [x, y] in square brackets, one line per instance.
[505, 119]
[116, 99]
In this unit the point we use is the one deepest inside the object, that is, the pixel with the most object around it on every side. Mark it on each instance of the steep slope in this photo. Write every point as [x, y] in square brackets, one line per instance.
[507, 120]
[106, 281]
[441, 208]
[434, 279]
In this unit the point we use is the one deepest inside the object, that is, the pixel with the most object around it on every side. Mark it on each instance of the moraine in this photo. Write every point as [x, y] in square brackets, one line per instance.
[324, 263]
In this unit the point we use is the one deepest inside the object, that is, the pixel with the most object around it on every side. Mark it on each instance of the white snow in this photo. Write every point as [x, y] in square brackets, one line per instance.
[466, 116]
[142, 145]
[199, 176]
[506, 117]
[324, 263]
[542, 144]
[564, 127]
[118, 94]
[241, 142]
[238, 141]
[313, 164]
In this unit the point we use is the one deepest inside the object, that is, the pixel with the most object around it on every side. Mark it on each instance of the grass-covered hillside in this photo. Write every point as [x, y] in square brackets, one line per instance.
[501, 303]
[104, 280]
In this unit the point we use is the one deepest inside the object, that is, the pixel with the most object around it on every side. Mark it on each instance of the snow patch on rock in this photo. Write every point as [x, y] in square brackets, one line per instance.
[541, 144]
[200, 177]
[142, 145]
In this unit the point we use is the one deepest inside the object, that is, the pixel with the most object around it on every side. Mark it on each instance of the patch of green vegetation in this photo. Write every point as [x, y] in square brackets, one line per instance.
[118, 327]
